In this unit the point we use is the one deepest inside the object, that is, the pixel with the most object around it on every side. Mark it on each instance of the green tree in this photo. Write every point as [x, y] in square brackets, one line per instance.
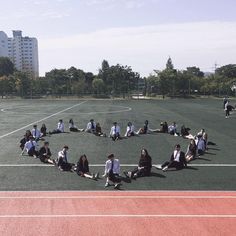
[6, 66]
[98, 86]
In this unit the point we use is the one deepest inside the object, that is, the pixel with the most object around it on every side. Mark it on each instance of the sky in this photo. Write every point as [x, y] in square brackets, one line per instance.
[138, 33]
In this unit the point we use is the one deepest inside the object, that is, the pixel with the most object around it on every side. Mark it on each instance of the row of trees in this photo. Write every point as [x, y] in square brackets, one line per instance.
[173, 82]
[117, 80]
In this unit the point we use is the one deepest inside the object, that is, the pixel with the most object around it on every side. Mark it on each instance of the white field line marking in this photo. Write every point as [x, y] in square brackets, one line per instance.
[117, 197]
[103, 165]
[119, 216]
[45, 118]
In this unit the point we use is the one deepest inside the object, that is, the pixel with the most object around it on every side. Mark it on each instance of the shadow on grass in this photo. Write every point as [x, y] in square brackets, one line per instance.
[157, 175]
[215, 149]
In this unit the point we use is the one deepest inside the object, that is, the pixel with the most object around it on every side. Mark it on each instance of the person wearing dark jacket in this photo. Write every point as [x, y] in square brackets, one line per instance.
[45, 154]
[177, 160]
[144, 166]
[82, 168]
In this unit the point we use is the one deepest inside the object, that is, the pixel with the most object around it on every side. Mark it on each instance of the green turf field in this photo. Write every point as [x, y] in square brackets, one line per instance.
[215, 171]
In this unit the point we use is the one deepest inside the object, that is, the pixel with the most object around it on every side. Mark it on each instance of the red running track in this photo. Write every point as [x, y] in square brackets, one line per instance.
[117, 213]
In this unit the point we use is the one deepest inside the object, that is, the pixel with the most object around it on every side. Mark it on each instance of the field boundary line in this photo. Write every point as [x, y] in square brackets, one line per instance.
[122, 165]
[118, 197]
[45, 118]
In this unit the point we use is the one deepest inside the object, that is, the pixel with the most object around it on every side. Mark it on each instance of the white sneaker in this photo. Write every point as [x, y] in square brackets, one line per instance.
[107, 185]
[165, 168]
[97, 176]
[158, 167]
[117, 186]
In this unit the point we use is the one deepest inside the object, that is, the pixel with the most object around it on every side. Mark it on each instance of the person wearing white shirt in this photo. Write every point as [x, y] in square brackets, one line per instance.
[112, 171]
[91, 126]
[62, 160]
[129, 130]
[115, 132]
[60, 128]
[172, 129]
[177, 160]
[31, 147]
[36, 133]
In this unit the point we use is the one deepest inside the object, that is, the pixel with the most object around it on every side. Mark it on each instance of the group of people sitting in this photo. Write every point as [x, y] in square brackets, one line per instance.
[178, 160]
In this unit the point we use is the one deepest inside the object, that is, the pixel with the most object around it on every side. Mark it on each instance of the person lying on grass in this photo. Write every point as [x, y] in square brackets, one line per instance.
[144, 166]
[177, 160]
[112, 172]
[45, 154]
[82, 168]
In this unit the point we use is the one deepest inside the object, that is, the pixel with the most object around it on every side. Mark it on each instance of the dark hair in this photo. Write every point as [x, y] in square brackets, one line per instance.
[81, 158]
[146, 152]
[46, 143]
[65, 146]
[110, 156]
[60, 120]
[146, 122]
[71, 121]
[177, 145]
[34, 125]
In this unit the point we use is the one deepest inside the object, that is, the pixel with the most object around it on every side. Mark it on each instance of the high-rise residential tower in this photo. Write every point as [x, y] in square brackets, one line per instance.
[22, 51]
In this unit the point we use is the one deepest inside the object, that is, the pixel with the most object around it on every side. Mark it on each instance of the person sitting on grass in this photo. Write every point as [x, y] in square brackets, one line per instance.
[82, 168]
[45, 154]
[59, 129]
[145, 128]
[144, 166]
[129, 130]
[115, 132]
[201, 145]
[91, 126]
[43, 130]
[73, 128]
[112, 171]
[36, 133]
[204, 136]
[191, 151]
[163, 128]
[31, 148]
[172, 129]
[98, 130]
[177, 160]
[25, 139]
[62, 160]
[185, 132]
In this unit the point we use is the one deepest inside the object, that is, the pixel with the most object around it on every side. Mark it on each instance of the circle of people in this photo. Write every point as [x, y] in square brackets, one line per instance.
[178, 159]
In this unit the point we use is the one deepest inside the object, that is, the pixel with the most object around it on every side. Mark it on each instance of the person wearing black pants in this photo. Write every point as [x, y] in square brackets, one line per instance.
[177, 160]
[144, 166]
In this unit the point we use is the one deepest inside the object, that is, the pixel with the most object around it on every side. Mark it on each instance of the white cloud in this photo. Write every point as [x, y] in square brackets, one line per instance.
[144, 48]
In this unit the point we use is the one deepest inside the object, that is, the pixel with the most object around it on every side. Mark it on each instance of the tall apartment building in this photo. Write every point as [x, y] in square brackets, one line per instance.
[22, 51]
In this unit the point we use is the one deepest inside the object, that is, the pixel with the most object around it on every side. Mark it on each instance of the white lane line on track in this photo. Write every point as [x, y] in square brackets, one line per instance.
[45, 118]
[120, 216]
